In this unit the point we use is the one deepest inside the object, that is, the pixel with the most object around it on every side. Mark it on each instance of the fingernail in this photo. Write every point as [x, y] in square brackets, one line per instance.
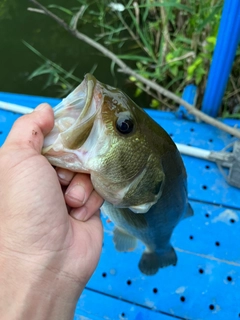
[41, 107]
[61, 175]
[77, 192]
[65, 176]
[79, 213]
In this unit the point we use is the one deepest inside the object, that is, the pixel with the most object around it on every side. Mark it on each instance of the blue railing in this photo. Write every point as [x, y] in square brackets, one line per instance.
[224, 53]
[223, 57]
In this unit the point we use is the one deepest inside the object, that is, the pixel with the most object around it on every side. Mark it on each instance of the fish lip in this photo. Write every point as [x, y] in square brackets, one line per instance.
[89, 77]
[81, 116]
[90, 82]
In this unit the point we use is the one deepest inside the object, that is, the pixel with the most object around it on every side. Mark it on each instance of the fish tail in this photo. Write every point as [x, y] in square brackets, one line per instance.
[151, 261]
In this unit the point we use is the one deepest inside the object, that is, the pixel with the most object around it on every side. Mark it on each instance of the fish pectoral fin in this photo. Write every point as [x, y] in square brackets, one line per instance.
[189, 212]
[123, 241]
[151, 261]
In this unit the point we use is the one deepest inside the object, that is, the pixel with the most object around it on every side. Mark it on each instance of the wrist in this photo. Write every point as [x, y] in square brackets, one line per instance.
[32, 291]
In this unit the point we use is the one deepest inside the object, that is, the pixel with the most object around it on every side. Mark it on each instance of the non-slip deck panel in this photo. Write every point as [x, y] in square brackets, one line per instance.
[205, 283]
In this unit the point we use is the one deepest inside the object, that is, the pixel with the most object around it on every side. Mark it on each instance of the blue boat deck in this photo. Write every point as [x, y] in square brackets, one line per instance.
[205, 283]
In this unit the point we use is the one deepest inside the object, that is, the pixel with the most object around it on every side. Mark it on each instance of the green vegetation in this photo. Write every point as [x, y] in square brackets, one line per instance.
[167, 41]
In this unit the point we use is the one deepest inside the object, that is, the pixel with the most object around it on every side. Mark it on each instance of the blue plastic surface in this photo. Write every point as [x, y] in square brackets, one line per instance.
[189, 95]
[205, 283]
[95, 305]
[224, 53]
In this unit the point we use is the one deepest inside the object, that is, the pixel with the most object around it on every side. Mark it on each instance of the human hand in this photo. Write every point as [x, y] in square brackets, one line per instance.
[43, 248]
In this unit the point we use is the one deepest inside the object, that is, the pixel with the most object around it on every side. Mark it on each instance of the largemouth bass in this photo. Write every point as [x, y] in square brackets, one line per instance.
[133, 163]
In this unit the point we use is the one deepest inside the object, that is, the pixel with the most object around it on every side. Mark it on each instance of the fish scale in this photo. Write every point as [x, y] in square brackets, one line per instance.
[122, 160]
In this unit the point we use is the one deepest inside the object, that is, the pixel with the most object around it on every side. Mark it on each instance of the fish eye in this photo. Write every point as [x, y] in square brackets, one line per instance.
[124, 124]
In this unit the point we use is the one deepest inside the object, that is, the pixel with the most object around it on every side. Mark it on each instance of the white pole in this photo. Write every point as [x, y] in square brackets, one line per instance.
[194, 152]
[15, 107]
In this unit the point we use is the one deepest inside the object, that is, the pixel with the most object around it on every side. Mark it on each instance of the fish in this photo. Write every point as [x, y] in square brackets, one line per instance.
[133, 164]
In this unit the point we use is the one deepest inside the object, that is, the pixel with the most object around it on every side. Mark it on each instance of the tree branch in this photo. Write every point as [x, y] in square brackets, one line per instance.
[125, 69]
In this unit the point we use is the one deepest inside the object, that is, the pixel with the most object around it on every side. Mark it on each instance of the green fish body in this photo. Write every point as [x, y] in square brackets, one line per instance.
[134, 165]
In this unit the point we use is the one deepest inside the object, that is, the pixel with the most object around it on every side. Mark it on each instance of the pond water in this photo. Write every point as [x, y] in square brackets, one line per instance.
[17, 62]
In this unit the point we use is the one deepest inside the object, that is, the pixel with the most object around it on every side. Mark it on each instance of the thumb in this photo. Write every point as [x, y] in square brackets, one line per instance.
[29, 130]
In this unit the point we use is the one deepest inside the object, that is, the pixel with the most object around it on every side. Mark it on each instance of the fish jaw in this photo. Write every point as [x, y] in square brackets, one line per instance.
[77, 124]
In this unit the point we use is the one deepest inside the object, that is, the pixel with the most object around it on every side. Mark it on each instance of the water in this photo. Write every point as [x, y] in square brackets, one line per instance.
[17, 62]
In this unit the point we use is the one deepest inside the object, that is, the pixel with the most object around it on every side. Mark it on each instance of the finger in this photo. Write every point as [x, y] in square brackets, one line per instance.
[29, 130]
[65, 176]
[79, 190]
[90, 208]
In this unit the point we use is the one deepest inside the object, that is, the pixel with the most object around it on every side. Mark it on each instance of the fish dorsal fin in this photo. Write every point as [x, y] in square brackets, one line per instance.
[189, 212]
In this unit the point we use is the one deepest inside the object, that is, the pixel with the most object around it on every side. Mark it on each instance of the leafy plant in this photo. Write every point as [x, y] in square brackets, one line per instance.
[65, 80]
[169, 42]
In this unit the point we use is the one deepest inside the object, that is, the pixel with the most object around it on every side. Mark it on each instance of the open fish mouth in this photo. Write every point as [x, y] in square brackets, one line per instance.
[74, 118]
[74, 121]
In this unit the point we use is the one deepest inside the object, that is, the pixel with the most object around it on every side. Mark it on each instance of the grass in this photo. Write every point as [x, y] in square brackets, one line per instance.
[168, 42]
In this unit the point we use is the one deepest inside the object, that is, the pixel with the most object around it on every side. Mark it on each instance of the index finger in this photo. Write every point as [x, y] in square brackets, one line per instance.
[29, 130]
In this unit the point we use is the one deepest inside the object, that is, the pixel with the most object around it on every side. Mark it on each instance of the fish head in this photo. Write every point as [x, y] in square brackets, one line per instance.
[101, 131]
